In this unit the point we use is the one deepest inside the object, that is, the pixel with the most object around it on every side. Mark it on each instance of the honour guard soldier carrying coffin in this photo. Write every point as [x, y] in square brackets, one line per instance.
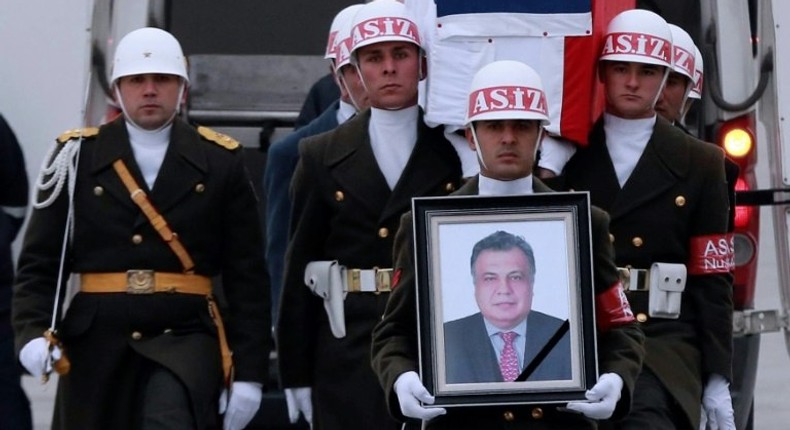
[349, 190]
[143, 213]
[683, 86]
[666, 194]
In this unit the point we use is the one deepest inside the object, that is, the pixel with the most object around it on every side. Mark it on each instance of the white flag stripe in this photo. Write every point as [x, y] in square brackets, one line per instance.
[515, 24]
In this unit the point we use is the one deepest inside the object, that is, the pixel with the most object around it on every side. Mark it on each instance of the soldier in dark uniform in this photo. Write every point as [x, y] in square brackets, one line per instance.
[350, 188]
[684, 85]
[157, 209]
[284, 154]
[666, 194]
[14, 191]
[505, 137]
[322, 95]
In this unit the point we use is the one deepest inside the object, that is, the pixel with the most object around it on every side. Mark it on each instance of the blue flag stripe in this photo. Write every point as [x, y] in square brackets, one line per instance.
[457, 7]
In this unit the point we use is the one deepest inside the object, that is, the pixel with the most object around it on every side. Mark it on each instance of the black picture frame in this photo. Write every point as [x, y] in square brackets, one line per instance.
[451, 339]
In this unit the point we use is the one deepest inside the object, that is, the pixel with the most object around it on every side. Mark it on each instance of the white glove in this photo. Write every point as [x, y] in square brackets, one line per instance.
[245, 399]
[410, 393]
[37, 358]
[602, 397]
[300, 400]
[717, 404]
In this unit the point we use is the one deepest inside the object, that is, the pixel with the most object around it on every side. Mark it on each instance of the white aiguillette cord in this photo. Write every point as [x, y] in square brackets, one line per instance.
[62, 168]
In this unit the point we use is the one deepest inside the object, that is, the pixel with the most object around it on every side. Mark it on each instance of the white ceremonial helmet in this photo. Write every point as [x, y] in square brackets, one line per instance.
[507, 89]
[638, 36]
[148, 50]
[696, 89]
[343, 35]
[383, 21]
[341, 20]
[683, 47]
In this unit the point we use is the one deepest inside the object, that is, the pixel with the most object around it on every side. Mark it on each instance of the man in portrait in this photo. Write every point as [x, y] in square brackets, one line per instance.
[506, 338]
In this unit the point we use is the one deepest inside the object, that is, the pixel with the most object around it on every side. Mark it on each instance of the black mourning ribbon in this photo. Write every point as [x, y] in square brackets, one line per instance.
[564, 327]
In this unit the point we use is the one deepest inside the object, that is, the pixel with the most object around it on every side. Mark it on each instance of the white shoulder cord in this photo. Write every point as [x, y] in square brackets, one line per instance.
[62, 168]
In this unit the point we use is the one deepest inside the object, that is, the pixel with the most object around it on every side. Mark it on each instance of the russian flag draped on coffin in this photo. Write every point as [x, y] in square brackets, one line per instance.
[560, 39]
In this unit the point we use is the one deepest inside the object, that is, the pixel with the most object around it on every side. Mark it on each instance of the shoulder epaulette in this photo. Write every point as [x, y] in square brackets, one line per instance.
[76, 133]
[220, 139]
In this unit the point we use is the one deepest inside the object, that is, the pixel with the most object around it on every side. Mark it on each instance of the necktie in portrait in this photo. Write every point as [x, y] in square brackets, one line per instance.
[508, 360]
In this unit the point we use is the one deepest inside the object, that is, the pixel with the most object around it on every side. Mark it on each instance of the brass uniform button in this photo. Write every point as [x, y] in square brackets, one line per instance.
[384, 232]
[537, 413]
[637, 241]
[137, 335]
[611, 237]
[339, 196]
[641, 317]
[137, 239]
[200, 188]
[449, 187]
[98, 191]
[508, 416]
[680, 201]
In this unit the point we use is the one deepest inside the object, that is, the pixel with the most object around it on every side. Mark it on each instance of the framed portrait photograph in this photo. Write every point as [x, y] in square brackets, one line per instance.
[505, 298]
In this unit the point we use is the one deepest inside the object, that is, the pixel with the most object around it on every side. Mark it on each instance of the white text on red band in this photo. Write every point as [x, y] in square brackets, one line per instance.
[507, 98]
[331, 47]
[637, 44]
[684, 60]
[379, 27]
[711, 254]
[343, 50]
[698, 81]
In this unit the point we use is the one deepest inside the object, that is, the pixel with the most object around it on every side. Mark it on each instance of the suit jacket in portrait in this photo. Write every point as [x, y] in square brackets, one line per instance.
[470, 356]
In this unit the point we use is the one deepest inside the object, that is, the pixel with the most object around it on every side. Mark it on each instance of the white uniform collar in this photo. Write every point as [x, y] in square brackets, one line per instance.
[626, 139]
[149, 148]
[149, 137]
[393, 135]
[495, 187]
[345, 111]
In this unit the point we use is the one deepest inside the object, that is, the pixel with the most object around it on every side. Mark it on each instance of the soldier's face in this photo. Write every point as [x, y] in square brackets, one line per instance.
[150, 99]
[391, 72]
[507, 147]
[631, 88]
[671, 100]
[503, 287]
[352, 89]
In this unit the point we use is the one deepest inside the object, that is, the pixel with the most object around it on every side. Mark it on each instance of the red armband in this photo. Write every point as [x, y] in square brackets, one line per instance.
[612, 308]
[711, 254]
[395, 278]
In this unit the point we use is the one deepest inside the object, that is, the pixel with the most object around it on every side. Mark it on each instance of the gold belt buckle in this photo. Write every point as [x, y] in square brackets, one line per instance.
[625, 274]
[353, 280]
[634, 279]
[383, 280]
[139, 281]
